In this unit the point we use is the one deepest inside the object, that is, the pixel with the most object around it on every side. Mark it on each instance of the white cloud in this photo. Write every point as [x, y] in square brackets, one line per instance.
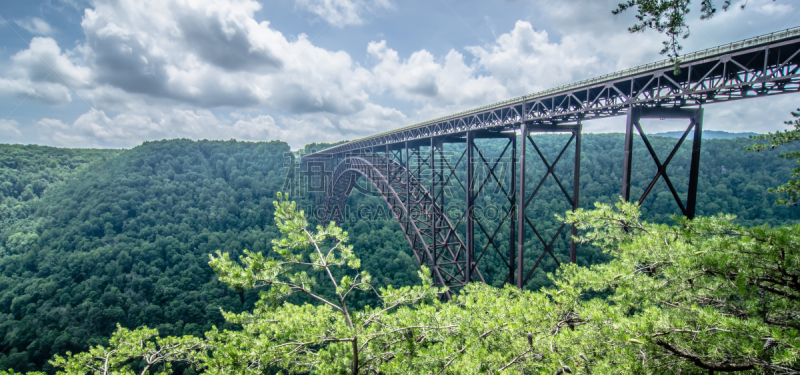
[97, 129]
[42, 72]
[168, 62]
[436, 87]
[322, 128]
[215, 54]
[44, 61]
[524, 60]
[9, 131]
[519, 62]
[35, 26]
[772, 9]
[758, 115]
[92, 129]
[45, 92]
[342, 13]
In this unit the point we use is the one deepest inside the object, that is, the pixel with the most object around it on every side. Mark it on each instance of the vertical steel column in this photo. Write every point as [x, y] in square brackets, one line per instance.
[521, 208]
[442, 213]
[573, 246]
[441, 177]
[389, 176]
[408, 189]
[432, 207]
[633, 117]
[470, 232]
[694, 171]
[418, 158]
[512, 248]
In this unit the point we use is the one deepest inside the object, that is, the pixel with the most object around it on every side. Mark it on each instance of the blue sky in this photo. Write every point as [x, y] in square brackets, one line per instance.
[115, 73]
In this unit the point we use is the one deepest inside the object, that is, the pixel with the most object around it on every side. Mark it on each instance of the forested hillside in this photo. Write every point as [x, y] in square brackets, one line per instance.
[27, 172]
[128, 239]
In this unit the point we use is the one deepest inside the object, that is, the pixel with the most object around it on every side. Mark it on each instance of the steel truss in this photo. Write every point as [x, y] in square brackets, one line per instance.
[430, 233]
[411, 171]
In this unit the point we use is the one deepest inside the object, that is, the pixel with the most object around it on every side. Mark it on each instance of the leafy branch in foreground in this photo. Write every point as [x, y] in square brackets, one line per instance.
[325, 337]
[792, 187]
[704, 294]
[138, 351]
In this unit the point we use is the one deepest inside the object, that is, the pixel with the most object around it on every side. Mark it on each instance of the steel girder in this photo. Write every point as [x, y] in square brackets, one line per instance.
[761, 66]
[430, 233]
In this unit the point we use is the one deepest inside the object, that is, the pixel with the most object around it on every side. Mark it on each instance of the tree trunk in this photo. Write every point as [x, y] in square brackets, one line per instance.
[355, 355]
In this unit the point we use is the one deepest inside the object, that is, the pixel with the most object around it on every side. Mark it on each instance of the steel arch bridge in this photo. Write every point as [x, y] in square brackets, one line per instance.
[415, 168]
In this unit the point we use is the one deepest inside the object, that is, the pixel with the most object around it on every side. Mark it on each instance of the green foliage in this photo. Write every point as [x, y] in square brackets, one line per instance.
[326, 337]
[27, 172]
[127, 241]
[12, 372]
[701, 295]
[140, 351]
[792, 187]
[704, 294]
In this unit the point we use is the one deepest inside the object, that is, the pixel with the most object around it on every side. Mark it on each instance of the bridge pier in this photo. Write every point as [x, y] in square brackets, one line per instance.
[523, 222]
[497, 172]
[435, 205]
[521, 207]
[633, 124]
[470, 209]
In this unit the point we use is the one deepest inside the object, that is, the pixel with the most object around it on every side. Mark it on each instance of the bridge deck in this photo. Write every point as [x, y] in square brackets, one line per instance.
[759, 66]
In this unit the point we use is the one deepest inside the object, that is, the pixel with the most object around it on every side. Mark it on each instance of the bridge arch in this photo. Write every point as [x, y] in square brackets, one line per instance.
[429, 232]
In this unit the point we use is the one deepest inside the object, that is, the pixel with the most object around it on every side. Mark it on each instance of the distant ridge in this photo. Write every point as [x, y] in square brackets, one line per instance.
[707, 134]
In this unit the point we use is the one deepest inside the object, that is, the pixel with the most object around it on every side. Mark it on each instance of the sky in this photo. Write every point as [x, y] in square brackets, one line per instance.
[116, 73]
